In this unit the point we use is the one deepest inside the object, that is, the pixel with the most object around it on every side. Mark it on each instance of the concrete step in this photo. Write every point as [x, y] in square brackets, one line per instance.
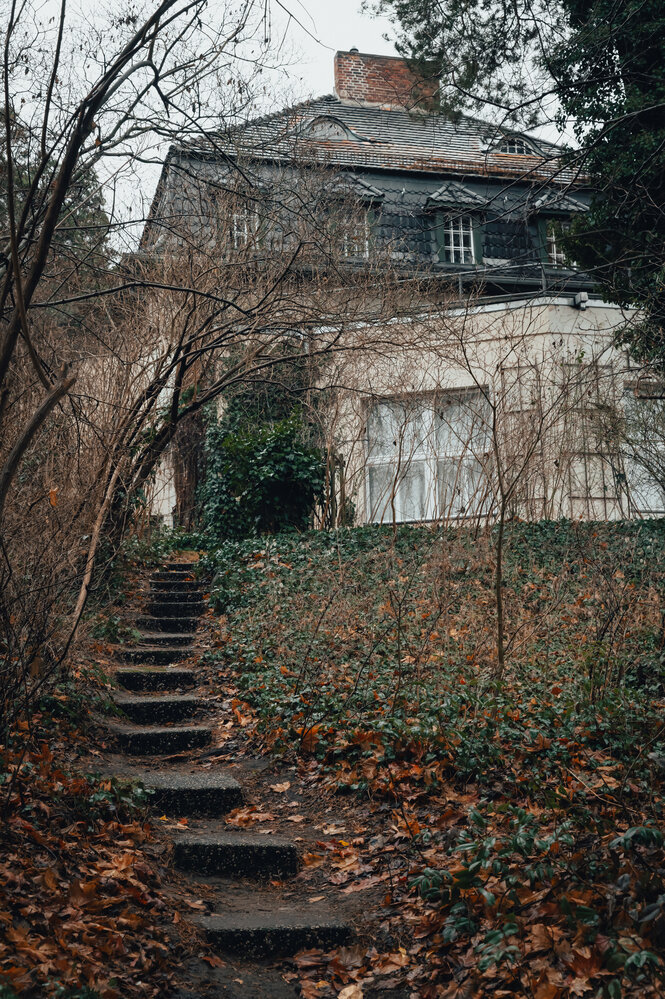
[209, 795]
[175, 583]
[173, 610]
[158, 708]
[158, 655]
[241, 855]
[171, 574]
[177, 625]
[167, 637]
[186, 597]
[279, 933]
[155, 678]
[156, 740]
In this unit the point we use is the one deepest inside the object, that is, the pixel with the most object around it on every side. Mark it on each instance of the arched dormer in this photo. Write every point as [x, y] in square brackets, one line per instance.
[329, 128]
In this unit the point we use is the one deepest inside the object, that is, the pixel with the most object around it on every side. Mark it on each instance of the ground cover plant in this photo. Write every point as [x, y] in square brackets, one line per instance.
[532, 805]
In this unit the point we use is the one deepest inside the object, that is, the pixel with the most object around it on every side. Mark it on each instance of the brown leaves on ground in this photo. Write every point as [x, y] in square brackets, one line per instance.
[79, 899]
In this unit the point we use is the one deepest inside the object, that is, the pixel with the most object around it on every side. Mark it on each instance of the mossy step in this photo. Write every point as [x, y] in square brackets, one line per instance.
[155, 678]
[157, 740]
[280, 933]
[158, 707]
[240, 855]
[209, 795]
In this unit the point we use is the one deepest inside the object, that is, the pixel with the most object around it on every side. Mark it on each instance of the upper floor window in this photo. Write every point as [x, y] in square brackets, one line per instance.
[458, 240]
[355, 241]
[515, 146]
[244, 226]
[556, 255]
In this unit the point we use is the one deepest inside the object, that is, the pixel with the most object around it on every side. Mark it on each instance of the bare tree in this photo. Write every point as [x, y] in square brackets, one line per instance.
[103, 356]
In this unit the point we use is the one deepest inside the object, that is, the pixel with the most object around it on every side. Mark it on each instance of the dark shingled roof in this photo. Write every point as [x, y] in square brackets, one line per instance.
[351, 134]
[410, 167]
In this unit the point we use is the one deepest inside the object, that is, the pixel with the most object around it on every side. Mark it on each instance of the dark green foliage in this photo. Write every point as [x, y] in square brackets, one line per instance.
[261, 480]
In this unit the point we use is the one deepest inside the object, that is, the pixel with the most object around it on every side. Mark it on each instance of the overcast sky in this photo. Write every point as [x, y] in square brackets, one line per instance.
[334, 24]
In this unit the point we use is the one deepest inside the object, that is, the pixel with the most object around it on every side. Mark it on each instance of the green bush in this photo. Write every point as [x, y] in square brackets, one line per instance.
[259, 481]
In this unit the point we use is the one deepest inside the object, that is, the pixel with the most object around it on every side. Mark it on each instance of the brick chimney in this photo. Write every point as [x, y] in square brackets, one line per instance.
[386, 81]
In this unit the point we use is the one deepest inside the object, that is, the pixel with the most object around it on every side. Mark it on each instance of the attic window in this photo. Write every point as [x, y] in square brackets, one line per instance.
[556, 255]
[245, 224]
[515, 146]
[458, 239]
[355, 242]
[327, 127]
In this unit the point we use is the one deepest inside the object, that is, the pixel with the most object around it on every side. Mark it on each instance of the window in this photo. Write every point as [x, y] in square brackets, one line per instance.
[515, 146]
[244, 226]
[427, 459]
[644, 447]
[458, 240]
[355, 242]
[556, 256]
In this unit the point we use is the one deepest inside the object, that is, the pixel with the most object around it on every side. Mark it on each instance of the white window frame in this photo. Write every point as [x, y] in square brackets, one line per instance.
[425, 458]
[244, 225]
[556, 256]
[458, 239]
[355, 241]
[640, 483]
[513, 145]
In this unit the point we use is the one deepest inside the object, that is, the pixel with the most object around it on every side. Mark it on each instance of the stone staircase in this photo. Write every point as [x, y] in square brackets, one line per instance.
[161, 712]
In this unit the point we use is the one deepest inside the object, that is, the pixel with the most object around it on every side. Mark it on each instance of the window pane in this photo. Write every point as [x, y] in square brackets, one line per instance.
[458, 240]
[462, 487]
[356, 237]
[463, 422]
[515, 146]
[644, 448]
[409, 485]
[395, 431]
[646, 493]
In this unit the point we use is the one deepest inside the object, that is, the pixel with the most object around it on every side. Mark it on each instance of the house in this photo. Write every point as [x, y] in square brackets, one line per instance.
[499, 385]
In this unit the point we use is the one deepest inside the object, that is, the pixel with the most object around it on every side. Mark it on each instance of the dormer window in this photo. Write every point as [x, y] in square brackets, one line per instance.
[355, 242]
[556, 255]
[514, 146]
[457, 240]
[245, 224]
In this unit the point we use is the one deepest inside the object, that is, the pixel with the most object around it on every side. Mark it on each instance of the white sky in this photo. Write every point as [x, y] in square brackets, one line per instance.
[335, 25]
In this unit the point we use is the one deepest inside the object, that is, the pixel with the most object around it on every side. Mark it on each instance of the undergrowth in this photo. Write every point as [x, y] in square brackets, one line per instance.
[533, 805]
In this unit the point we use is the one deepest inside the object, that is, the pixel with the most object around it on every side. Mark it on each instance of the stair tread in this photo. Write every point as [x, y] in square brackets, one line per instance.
[172, 591]
[154, 648]
[155, 617]
[275, 930]
[189, 782]
[233, 839]
[127, 728]
[158, 697]
[150, 668]
[284, 916]
[150, 677]
[152, 636]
